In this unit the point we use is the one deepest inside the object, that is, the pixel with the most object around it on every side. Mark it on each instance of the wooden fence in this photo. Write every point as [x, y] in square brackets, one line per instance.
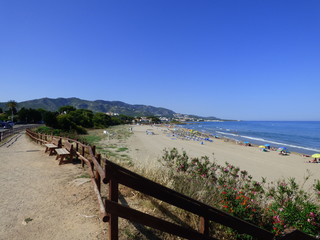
[110, 210]
[9, 132]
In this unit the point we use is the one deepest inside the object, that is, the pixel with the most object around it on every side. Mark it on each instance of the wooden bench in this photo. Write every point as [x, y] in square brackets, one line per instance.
[67, 151]
[53, 145]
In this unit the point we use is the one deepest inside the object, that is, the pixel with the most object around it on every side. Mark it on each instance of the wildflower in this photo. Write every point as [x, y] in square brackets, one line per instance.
[277, 218]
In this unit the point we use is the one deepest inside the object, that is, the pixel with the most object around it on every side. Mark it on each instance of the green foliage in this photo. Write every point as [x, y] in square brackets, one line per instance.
[154, 119]
[27, 220]
[12, 105]
[50, 119]
[101, 120]
[66, 109]
[316, 188]
[82, 117]
[48, 131]
[84, 175]
[125, 119]
[290, 206]
[29, 115]
[65, 123]
[122, 149]
[275, 208]
[91, 139]
[3, 116]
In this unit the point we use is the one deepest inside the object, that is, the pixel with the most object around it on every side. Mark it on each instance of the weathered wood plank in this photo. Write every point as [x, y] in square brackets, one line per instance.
[146, 186]
[151, 221]
[113, 220]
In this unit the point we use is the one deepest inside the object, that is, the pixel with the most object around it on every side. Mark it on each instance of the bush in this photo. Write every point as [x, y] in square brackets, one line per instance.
[48, 131]
[283, 205]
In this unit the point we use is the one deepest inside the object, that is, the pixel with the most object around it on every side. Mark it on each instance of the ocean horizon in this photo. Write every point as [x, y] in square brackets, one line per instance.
[297, 136]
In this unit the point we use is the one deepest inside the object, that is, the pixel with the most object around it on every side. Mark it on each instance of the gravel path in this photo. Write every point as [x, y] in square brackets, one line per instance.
[42, 200]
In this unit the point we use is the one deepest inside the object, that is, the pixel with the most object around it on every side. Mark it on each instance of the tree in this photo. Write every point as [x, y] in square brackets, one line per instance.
[126, 119]
[50, 119]
[82, 117]
[67, 109]
[29, 115]
[154, 119]
[101, 120]
[12, 105]
[65, 123]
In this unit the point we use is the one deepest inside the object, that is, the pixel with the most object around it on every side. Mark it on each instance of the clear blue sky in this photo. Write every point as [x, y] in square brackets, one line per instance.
[249, 60]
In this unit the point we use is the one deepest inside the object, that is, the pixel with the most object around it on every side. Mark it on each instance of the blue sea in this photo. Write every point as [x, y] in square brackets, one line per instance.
[297, 136]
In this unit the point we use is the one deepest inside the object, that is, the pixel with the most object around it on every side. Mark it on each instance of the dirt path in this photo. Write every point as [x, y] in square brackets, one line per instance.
[42, 200]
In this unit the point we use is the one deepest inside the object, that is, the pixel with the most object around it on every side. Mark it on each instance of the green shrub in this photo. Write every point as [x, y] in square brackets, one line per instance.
[283, 205]
[48, 131]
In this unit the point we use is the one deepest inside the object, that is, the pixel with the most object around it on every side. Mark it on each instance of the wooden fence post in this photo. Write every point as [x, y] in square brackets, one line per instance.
[97, 175]
[83, 154]
[113, 196]
[93, 150]
[204, 226]
[77, 145]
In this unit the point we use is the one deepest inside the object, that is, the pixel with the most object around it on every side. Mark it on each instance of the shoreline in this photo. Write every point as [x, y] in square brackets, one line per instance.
[147, 143]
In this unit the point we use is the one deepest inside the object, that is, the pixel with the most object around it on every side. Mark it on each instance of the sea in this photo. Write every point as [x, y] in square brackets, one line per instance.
[297, 136]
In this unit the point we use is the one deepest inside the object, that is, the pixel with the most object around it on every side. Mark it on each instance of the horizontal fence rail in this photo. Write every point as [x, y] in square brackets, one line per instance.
[87, 155]
[9, 132]
[114, 175]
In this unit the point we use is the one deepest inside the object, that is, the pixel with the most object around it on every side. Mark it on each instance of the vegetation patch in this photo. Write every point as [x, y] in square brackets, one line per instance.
[48, 131]
[122, 149]
[91, 139]
[276, 207]
[27, 220]
[84, 175]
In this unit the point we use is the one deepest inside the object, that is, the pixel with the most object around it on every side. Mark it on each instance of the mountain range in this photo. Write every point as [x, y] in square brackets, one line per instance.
[51, 104]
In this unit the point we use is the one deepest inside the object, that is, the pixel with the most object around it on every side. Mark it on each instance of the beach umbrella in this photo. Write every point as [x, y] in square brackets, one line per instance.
[261, 146]
[246, 142]
[317, 155]
[267, 145]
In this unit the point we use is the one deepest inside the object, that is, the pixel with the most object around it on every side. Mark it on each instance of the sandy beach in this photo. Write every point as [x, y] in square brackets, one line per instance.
[146, 149]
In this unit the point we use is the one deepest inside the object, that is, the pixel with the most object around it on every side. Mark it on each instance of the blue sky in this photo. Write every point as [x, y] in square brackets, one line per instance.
[249, 60]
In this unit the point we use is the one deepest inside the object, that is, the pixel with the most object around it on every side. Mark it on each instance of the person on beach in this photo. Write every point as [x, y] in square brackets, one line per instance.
[313, 161]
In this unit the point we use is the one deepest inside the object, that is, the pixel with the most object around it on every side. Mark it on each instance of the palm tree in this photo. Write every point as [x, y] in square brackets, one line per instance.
[12, 105]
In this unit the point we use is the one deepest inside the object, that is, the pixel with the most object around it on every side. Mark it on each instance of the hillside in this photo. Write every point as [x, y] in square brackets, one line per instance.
[53, 104]
[50, 104]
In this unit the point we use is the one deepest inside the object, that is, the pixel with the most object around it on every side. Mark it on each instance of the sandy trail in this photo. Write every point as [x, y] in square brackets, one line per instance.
[42, 200]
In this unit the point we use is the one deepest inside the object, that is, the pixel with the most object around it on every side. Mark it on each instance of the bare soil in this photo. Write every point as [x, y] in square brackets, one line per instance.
[42, 200]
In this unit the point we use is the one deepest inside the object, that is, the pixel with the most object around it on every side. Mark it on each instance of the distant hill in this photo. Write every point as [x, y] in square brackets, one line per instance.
[50, 104]
[53, 104]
